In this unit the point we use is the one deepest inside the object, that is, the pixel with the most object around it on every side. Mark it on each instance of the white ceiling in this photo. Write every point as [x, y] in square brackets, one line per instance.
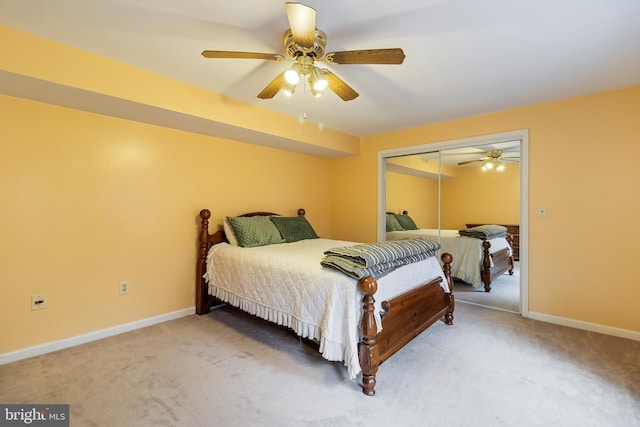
[463, 57]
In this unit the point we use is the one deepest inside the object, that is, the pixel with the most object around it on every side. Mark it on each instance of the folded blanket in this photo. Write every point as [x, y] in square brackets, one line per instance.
[484, 232]
[358, 271]
[378, 259]
[370, 254]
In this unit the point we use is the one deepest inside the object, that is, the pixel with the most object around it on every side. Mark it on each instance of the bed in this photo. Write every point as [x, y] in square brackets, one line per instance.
[478, 262]
[363, 322]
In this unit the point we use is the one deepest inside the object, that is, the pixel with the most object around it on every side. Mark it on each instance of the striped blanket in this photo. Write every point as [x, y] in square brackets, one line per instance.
[378, 259]
[485, 232]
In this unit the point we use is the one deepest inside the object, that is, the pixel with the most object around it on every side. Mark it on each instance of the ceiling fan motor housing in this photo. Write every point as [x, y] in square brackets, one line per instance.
[294, 51]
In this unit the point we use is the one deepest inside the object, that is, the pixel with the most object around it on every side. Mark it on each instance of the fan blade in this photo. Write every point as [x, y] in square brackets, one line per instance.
[371, 56]
[338, 85]
[468, 162]
[302, 20]
[241, 55]
[272, 88]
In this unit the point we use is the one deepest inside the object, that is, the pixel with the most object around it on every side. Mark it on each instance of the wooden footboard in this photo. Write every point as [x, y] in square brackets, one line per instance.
[404, 318]
[502, 262]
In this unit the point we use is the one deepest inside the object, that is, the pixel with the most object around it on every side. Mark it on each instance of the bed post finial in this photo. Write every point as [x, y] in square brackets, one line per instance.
[203, 305]
[368, 350]
[301, 212]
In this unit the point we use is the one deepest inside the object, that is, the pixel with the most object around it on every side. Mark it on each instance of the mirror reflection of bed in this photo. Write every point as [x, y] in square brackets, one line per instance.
[446, 191]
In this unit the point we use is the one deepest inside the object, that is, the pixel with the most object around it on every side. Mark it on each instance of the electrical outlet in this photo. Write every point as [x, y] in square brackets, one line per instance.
[124, 287]
[38, 301]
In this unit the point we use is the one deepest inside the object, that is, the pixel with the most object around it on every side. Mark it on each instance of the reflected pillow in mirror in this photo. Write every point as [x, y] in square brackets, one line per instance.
[393, 224]
[406, 222]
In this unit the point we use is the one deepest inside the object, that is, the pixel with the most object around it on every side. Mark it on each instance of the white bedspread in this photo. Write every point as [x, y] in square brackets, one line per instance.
[466, 251]
[285, 284]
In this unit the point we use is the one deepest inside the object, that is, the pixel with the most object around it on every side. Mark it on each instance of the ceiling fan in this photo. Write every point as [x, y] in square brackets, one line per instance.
[493, 159]
[305, 45]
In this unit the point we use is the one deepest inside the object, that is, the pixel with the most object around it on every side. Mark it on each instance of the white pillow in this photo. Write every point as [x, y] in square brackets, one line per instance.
[228, 230]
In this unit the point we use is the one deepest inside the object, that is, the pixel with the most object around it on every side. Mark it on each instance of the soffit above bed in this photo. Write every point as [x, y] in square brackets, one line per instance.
[25, 87]
[65, 96]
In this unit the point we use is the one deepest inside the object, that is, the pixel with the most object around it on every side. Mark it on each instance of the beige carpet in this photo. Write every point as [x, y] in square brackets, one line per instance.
[491, 368]
[505, 292]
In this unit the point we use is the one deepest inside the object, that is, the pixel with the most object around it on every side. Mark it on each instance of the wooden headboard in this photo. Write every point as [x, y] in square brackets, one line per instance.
[206, 240]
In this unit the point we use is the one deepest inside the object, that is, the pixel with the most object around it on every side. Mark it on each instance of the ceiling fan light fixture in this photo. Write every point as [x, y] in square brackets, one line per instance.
[317, 80]
[314, 92]
[292, 75]
[492, 163]
[288, 89]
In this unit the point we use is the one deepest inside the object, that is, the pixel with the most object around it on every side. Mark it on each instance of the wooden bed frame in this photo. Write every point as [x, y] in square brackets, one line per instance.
[502, 262]
[404, 318]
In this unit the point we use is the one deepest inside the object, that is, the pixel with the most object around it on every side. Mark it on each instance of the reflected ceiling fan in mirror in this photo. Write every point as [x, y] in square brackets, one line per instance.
[494, 159]
[304, 46]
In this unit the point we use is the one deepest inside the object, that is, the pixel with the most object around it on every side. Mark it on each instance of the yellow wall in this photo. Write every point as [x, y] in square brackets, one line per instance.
[581, 255]
[418, 196]
[476, 196]
[89, 200]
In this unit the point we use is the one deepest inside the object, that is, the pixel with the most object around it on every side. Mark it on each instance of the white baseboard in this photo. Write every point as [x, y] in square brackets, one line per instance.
[91, 336]
[587, 326]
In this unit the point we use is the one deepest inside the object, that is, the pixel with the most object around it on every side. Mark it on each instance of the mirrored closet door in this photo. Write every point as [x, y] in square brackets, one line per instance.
[445, 191]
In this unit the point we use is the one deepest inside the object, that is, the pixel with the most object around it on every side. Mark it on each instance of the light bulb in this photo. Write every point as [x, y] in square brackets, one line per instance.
[320, 85]
[489, 164]
[317, 80]
[291, 76]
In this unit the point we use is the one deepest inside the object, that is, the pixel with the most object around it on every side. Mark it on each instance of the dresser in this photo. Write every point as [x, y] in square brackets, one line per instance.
[514, 231]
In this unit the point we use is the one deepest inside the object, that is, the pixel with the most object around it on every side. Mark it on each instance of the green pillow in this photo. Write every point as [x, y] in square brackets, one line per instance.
[393, 224]
[294, 228]
[406, 222]
[254, 231]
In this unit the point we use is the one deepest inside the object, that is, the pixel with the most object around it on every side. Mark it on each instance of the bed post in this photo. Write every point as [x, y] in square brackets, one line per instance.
[367, 349]
[447, 259]
[486, 266]
[203, 303]
[510, 241]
